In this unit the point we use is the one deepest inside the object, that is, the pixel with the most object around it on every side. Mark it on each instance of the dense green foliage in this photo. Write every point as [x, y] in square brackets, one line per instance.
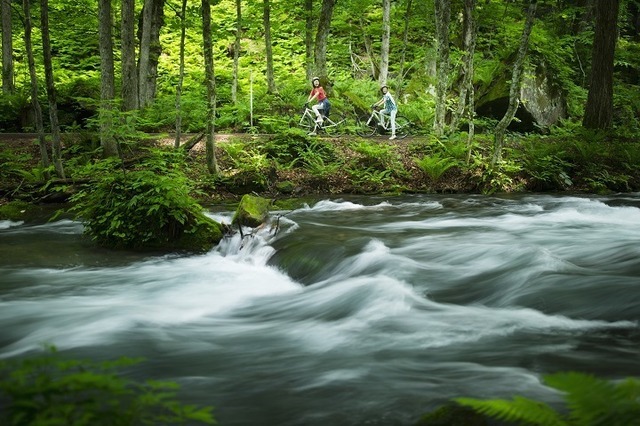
[51, 390]
[560, 155]
[591, 402]
[559, 52]
[146, 208]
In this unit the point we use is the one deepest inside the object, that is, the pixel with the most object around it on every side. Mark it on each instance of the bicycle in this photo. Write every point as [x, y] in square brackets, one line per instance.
[330, 127]
[378, 122]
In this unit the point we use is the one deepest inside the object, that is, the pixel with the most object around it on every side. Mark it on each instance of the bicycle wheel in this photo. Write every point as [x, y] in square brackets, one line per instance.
[366, 126]
[403, 127]
[307, 123]
[333, 128]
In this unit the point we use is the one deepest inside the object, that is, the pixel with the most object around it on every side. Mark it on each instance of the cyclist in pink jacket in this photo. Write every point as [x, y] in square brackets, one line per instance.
[317, 92]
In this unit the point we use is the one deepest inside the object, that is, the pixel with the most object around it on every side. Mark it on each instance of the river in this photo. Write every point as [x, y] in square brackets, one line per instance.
[353, 311]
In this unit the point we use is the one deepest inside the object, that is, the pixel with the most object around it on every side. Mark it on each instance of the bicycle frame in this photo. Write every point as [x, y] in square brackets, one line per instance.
[380, 123]
[308, 112]
[378, 116]
[308, 121]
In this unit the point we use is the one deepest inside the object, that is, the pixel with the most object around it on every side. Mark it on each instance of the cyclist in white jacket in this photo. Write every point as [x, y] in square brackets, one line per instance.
[390, 108]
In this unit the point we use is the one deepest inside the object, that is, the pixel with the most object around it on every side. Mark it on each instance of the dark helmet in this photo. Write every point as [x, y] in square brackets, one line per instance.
[384, 86]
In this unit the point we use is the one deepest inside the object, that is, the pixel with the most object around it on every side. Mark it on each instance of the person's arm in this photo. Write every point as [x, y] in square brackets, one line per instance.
[377, 104]
[312, 95]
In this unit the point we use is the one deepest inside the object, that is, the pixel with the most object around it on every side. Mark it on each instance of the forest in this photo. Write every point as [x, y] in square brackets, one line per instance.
[506, 95]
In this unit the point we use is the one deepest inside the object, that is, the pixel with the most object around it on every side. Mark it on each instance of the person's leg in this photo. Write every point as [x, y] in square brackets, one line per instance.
[383, 113]
[316, 108]
[393, 122]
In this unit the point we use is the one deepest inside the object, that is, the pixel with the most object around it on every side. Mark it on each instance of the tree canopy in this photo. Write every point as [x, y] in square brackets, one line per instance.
[560, 52]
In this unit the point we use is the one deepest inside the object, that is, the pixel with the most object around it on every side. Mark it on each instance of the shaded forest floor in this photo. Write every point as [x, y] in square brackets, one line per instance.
[287, 175]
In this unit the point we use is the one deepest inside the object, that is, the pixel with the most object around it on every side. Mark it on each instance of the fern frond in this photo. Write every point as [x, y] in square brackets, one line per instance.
[588, 397]
[519, 409]
[596, 401]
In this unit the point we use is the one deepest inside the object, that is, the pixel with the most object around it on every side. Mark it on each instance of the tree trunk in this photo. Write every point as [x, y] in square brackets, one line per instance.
[443, 17]
[144, 52]
[405, 39]
[466, 85]
[150, 50]
[212, 165]
[37, 111]
[471, 113]
[183, 34]
[369, 51]
[599, 109]
[320, 50]
[384, 48]
[107, 86]
[156, 48]
[236, 52]
[129, 71]
[308, 38]
[7, 47]
[516, 80]
[51, 89]
[271, 83]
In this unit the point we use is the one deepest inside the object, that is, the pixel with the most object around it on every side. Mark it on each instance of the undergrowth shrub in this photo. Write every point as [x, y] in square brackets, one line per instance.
[150, 207]
[378, 157]
[248, 168]
[50, 390]
[435, 165]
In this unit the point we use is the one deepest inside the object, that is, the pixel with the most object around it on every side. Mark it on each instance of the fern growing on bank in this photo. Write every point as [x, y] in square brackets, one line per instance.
[435, 166]
[591, 402]
[50, 390]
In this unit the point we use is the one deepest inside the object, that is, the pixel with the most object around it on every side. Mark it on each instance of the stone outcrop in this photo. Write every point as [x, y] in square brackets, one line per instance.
[541, 104]
[252, 211]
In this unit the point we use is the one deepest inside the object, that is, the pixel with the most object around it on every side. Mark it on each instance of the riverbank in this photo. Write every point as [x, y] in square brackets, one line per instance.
[296, 165]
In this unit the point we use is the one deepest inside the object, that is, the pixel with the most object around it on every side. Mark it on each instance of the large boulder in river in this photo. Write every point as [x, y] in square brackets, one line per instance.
[252, 211]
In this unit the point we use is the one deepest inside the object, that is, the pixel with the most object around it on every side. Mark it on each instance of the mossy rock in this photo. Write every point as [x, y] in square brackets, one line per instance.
[252, 211]
[207, 233]
[20, 211]
[286, 187]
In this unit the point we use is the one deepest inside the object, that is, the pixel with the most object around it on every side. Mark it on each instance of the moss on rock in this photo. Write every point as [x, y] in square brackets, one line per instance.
[19, 211]
[252, 211]
[206, 234]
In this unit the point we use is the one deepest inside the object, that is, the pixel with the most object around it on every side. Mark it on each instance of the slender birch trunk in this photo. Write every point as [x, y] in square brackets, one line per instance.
[236, 52]
[212, 165]
[51, 89]
[129, 90]
[8, 85]
[405, 38]
[322, 36]
[107, 79]
[384, 48]
[183, 34]
[516, 81]
[37, 111]
[443, 17]
[271, 83]
[308, 38]
[466, 86]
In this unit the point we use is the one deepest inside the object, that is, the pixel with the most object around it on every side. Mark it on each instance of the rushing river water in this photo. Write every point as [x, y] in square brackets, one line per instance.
[356, 311]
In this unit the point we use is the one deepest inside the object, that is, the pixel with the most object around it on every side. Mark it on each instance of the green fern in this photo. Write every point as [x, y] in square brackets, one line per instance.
[434, 166]
[591, 401]
[517, 410]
